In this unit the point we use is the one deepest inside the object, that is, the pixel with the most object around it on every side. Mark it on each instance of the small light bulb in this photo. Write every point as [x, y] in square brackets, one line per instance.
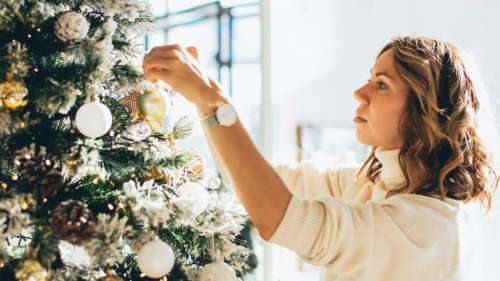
[23, 204]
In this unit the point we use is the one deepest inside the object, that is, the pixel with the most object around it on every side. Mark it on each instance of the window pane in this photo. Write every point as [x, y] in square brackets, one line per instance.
[203, 36]
[236, 2]
[179, 5]
[158, 7]
[247, 39]
[247, 95]
[156, 38]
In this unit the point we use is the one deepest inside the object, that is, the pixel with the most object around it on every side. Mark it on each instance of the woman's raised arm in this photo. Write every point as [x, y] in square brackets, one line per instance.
[260, 189]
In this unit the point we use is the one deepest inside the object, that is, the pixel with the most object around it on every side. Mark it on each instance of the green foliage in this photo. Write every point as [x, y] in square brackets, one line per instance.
[57, 70]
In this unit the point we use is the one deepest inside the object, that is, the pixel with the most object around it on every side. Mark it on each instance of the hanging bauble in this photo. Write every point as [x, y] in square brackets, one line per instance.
[154, 107]
[155, 259]
[149, 105]
[93, 119]
[72, 221]
[193, 196]
[218, 271]
[12, 94]
[30, 269]
[213, 183]
[71, 27]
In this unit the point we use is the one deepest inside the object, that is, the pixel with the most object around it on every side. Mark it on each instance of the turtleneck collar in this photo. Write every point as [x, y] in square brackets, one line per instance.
[391, 170]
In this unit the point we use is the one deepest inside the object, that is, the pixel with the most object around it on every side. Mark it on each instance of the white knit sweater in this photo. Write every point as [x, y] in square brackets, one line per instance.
[348, 226]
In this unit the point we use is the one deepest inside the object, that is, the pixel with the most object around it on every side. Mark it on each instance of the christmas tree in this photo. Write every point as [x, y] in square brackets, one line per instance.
[92, 183]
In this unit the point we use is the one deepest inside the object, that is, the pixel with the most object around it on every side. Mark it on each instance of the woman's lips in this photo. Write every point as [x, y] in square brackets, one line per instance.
[358, 119]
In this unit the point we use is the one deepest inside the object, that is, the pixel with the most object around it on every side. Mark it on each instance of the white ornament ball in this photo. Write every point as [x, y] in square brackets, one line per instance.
[71, 27]
[93, 119]
[195, 195]
[213, 183]
[218, 271]
[155, 259]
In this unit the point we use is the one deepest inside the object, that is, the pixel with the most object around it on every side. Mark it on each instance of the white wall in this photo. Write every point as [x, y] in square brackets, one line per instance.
[321, 51]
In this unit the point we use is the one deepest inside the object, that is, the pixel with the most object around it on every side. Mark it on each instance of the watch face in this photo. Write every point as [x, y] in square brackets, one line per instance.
[226, 115]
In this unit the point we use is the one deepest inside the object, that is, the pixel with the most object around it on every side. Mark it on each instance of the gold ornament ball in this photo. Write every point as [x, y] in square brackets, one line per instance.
[148, 105]
[153, 104]
[31, 270]
[110, 277]
[12, 94]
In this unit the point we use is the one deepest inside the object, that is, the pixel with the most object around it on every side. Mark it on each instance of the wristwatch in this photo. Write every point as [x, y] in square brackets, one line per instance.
[224, 116]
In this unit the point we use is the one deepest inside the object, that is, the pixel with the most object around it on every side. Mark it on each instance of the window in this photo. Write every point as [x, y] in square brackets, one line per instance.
[227, 35]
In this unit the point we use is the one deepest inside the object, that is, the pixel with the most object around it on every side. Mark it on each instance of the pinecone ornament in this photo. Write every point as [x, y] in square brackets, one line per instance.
[36, 171]
[31, 168]
[71, 27]
[50, 185]
[73, 222]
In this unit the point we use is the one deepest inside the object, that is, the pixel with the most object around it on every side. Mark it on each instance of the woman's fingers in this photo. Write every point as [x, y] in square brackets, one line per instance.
[165, 55]
[193, 51]
[168, 59]
[162, 63]
[167, 47]
[178, 67]
[155, 74]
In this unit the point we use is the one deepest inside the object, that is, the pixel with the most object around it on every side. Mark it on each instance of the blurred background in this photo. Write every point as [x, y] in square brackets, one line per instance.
[291, 67]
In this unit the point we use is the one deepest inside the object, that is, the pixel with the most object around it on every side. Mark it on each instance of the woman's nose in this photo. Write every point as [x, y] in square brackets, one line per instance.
[360, 95]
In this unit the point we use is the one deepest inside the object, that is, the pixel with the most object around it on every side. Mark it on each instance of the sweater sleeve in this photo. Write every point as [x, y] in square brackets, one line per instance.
[347, 238]
[307, 181]
[329, 231]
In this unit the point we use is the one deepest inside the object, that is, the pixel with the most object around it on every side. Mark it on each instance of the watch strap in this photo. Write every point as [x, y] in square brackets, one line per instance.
[210, 120]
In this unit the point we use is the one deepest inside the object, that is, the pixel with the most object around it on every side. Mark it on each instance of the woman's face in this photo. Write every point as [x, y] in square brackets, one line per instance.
[382, 103]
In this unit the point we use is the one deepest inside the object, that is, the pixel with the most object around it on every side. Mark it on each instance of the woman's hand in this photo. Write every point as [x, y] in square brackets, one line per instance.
[179, 67]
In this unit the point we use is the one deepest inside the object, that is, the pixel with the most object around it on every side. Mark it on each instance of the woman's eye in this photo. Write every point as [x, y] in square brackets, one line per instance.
[381, 85]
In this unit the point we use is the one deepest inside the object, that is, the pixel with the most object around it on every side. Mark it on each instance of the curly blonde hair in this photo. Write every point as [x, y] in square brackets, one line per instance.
[442, 153]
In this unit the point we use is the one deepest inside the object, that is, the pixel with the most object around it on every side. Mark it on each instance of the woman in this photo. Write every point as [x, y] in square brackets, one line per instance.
[398, 216]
